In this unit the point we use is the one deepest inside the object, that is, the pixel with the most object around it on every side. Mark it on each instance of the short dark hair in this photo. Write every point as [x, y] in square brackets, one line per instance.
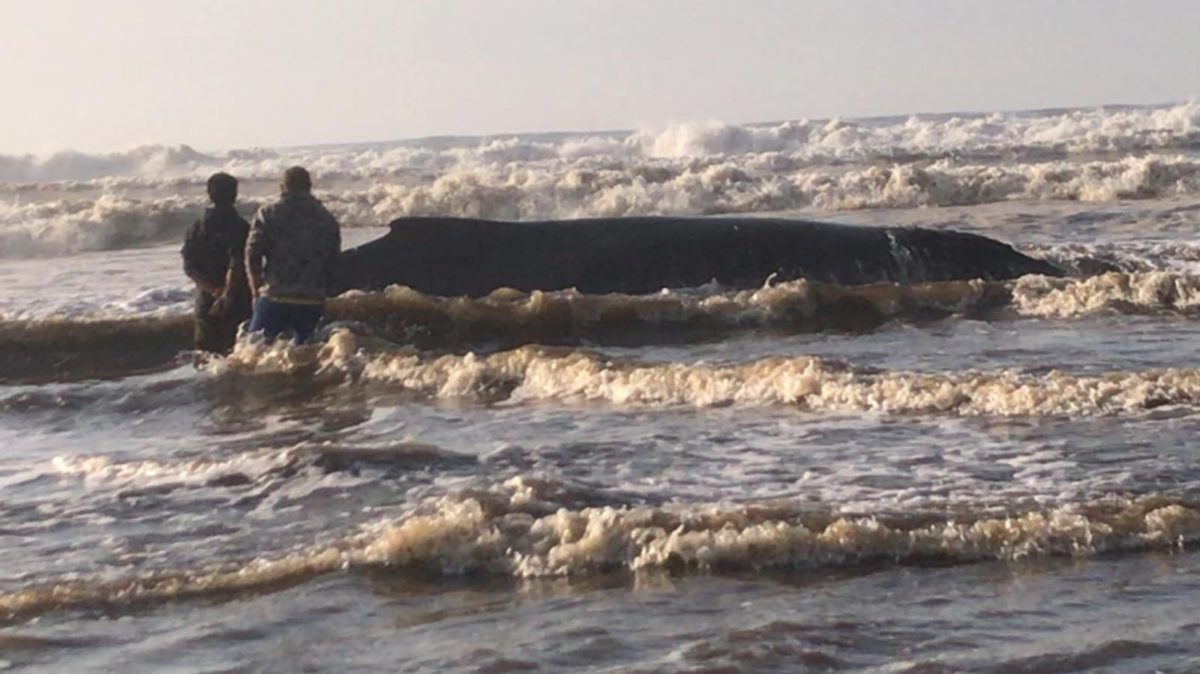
[296, 179]
[222, 188]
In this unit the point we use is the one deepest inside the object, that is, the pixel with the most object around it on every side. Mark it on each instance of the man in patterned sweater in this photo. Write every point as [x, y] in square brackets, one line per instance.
[300, 241]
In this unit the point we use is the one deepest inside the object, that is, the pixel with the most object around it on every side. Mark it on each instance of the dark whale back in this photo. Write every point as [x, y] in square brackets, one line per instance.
[457, 256]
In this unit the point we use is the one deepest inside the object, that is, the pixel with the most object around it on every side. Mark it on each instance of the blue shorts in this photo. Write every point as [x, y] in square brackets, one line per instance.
[272, 317]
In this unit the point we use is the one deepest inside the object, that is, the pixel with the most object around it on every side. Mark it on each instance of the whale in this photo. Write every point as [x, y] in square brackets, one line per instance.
[456, 257]
[641, 255]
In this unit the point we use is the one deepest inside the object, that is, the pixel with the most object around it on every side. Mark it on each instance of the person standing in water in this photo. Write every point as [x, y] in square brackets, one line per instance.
[300, 241]
[213, 257]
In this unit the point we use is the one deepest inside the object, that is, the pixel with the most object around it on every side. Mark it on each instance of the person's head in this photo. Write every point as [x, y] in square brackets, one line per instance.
[222, 189]
[296, 181]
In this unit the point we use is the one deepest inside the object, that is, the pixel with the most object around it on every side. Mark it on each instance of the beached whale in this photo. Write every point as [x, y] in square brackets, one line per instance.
[459, 256]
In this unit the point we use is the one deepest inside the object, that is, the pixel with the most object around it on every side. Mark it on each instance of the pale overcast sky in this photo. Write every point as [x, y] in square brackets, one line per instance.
[106, 75]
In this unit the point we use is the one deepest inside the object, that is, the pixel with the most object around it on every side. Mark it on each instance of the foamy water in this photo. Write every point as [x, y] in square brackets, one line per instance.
[72, 202]
[954, 476]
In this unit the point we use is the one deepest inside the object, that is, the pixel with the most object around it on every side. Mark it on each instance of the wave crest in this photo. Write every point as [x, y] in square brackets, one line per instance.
[690, 169]
[72, 348]
[534, 374]
[509, 531]
[558, 190]
[1028, 136]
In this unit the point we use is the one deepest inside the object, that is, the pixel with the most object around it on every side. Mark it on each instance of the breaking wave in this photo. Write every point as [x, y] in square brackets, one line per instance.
[746, 184]
[759, 184]
[1119, 293]
[516, 530]
[108, 222]
[59, 348]
[541, 374]
[1009, 136]
[65, 349]
[101, 469]
[73, 202]
[70, 165]
[510, 317]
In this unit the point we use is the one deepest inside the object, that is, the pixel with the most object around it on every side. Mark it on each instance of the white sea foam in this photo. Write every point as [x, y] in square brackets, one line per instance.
[568, 190]
[535, 374]
[509, 530]
[105, 223]
[1119, 292]
[103, 470]
[1067, 131]
[67, 165]
[456, 535]
[71, 201]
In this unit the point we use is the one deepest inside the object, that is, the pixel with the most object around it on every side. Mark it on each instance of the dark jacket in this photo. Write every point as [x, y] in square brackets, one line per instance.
[215, 244]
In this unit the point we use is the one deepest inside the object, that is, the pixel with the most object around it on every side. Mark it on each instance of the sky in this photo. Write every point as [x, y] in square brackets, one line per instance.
[221, 74]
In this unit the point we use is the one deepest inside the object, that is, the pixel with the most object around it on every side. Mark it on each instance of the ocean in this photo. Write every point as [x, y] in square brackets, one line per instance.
[965, 476]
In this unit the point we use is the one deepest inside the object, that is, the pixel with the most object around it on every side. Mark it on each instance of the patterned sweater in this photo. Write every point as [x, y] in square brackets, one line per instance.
[300, 240]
